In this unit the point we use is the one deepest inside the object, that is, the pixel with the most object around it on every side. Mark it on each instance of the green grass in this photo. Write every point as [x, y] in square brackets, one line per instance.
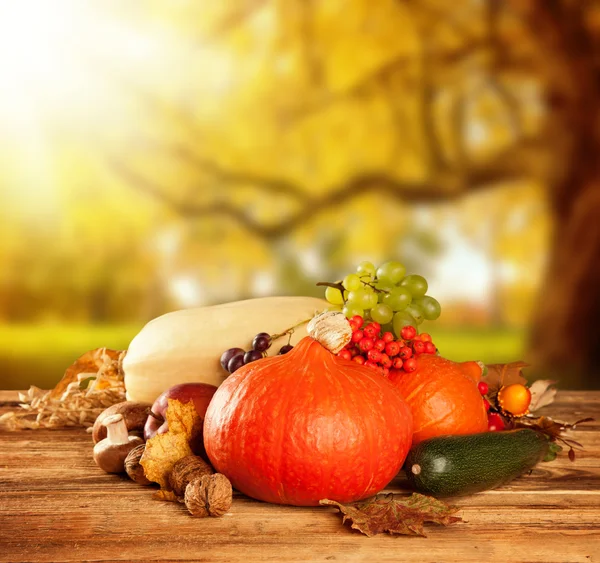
[489, 345]
[39, 354]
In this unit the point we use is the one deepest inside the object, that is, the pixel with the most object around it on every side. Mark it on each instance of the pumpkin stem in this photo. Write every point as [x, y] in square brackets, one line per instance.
[331, 329]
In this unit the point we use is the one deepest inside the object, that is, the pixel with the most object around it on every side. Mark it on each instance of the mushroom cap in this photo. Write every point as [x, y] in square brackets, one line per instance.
[113, 419]
[134, 413]
[111, 457]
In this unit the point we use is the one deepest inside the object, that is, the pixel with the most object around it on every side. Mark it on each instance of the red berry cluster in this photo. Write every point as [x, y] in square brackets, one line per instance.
[382, 351]
[495, 420]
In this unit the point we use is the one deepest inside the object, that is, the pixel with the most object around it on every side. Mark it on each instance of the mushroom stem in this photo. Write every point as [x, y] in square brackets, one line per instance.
[116, 429]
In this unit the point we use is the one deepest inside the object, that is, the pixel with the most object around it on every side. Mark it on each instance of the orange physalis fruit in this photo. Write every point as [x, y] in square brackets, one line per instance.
[514, 399]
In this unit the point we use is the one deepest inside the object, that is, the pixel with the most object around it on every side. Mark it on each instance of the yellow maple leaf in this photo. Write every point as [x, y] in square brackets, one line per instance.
[164, 450]
[168, 496]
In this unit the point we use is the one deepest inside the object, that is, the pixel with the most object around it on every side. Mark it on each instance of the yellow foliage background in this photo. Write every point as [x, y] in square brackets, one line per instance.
[146, 146]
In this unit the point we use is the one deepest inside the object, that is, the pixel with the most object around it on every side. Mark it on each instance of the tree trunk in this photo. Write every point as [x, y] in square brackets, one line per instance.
[565, 339]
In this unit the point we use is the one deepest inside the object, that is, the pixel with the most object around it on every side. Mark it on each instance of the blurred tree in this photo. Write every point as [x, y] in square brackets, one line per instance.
[81, 257]
[509, 226]
[413, 101]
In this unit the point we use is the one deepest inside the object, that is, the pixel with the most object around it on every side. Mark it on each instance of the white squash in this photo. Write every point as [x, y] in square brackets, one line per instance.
[186, 346]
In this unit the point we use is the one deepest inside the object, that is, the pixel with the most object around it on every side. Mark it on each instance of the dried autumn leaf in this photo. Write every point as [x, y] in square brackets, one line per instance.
[164, 450]
[396, 515]
[168, 496]
[542, 394]
[548, 426]
[90, 362]
[554, 430]
[504, 374]
[95, 381]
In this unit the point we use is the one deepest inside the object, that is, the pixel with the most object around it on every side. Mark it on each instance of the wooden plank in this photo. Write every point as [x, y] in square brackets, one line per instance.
[56, 505]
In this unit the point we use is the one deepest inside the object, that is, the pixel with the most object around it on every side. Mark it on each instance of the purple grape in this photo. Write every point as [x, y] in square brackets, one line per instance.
[261, 342]
[252, 356]
[235, 363]
[228, 354]
[285, 349]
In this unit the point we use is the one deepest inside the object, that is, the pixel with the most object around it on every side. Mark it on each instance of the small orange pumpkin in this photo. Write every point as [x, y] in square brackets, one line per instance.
[443, 398]
[305, 426]
[472, 369]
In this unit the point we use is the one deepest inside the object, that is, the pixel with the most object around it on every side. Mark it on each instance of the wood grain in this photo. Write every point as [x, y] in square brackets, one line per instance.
[56, 505]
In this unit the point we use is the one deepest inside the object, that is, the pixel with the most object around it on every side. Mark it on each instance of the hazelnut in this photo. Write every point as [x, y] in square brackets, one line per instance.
[185, 470]
[135, 415]
[133, 467]
[209, 495]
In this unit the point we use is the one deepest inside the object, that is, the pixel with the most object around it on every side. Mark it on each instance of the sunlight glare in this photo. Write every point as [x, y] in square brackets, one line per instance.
[75, 72]
[34, 49]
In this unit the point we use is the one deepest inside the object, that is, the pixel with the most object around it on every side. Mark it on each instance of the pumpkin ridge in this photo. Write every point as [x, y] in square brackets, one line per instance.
[375, 454]
[340, 397]
[245, 391]
[362, 421]
[243, 429]
[432, 421]
[300, 350]
[449, 413]
[241, 393]
[339, 393]
[416, 391]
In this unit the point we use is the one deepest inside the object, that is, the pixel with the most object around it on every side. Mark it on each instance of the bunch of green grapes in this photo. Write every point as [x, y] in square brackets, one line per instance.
[385, 295]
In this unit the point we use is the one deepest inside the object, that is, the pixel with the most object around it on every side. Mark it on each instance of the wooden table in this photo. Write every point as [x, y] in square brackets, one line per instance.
[56, 505]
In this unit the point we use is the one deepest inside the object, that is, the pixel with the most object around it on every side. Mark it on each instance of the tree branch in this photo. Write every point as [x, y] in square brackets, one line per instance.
[399, 117]
[507, 166]
[427, 94]
[458, 119]
[440, 62]
[273, 185]
[309, 44]
[499, 56]
[204, 164]
[236, 17]
[359, 89]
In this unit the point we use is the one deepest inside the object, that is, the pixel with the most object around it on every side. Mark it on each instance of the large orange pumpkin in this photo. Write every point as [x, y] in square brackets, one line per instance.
[443, 397]
[305, 426]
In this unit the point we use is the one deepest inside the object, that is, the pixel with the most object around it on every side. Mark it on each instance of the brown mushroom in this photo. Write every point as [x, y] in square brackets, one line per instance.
[110, 453]
[134, 413]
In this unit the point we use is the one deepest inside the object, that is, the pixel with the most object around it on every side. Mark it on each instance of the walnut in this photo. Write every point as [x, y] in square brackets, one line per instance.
[185, 470]
[209, 495]
[133, 467]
